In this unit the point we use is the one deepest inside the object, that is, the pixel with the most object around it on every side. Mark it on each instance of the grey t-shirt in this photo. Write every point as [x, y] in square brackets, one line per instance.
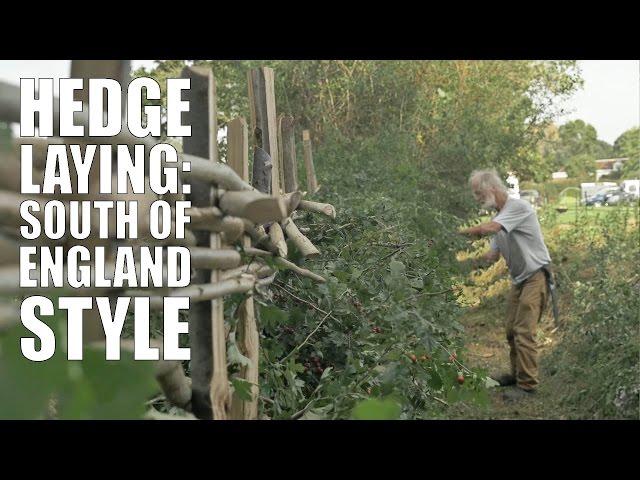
[520, 240]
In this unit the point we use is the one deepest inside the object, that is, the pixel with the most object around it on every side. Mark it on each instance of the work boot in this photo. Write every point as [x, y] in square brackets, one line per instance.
[517, 394]
[505, 379]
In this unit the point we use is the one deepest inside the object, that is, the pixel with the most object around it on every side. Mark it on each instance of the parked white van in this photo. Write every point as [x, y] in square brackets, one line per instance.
[631, 186]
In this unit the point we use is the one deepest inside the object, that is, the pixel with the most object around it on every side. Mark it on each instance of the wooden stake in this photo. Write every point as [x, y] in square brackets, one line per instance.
[248, 337]
[206, 320]
[288, 147]
[312, 182]
[262, 102]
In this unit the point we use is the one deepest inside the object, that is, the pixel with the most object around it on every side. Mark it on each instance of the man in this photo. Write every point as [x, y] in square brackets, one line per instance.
[517, 236]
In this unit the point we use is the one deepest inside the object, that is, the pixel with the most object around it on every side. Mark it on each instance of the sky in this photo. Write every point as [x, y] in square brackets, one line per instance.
[609, 100]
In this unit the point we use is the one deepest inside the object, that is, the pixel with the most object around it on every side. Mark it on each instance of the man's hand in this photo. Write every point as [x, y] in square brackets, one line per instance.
[481, 230]
[485, 260]
[489, 258]
[470, 232]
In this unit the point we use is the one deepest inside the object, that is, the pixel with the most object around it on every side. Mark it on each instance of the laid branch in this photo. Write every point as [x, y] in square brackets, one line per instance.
[231, 227]
[263, 282]
[316, 207]
[205, 258]
[175, 385]
[276, 235]
[203, 215]
[256, 269]
[257, 252]
[253, 205]
[303, 272]
[215, 173]
[307, 249]
[286, 264]
[259, 236]
[292, 200]
[204, 292]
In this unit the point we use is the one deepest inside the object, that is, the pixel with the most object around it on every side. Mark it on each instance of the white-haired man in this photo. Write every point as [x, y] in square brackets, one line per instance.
[516, 234]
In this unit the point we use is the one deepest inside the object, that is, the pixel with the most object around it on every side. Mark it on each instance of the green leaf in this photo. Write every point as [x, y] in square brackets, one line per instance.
[103, 389]
[272, 316]
[242, 388]
[435, 381]
[326, 373]
[377, 409]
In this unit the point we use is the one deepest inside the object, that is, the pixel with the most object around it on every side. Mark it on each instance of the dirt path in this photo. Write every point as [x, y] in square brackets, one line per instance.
[487, 348]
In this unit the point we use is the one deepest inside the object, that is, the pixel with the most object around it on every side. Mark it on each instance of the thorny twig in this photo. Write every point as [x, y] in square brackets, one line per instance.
[426, 392]
[315, 307]
[306, 339]
[299, 414]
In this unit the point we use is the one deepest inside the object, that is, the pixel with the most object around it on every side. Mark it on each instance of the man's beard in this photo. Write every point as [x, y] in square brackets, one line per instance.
[490, 201]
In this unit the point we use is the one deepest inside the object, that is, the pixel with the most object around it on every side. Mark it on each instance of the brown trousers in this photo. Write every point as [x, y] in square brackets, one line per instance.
[525, 305]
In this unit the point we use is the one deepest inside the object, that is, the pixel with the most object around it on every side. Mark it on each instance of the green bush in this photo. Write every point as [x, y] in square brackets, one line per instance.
[600, 348]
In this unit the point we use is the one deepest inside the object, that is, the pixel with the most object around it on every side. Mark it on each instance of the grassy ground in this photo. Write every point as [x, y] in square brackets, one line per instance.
[569, 216]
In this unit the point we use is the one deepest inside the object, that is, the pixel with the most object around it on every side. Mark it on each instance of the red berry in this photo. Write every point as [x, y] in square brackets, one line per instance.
[460, 379]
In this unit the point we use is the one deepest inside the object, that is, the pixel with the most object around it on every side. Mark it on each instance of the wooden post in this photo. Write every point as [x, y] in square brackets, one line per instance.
[248, 337]
[312, 182]
[211, 397]
[262, 102]
[238, 147]
[288, 148]
[280, 164]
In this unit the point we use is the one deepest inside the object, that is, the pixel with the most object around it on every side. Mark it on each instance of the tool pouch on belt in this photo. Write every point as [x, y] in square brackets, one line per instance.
[551, 285]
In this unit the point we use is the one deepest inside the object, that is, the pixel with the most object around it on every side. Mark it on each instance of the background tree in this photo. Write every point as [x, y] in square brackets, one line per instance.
[446, 118]
[573, 147]
[628, 145]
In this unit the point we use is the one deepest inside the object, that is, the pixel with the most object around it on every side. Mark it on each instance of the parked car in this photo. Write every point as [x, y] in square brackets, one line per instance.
[617, 197]
[609, 196]
[596, 200]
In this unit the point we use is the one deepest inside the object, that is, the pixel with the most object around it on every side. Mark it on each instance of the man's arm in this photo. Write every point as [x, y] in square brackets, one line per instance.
[488, 228]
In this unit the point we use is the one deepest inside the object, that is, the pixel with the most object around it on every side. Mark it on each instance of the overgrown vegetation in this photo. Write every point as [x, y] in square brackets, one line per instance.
[385, 323]
[599, 352]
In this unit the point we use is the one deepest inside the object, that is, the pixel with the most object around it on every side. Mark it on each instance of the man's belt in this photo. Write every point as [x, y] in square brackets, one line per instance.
[552, 290]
